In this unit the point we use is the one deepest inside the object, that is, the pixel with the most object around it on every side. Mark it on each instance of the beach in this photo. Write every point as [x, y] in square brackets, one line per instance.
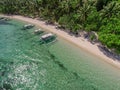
[78, 41]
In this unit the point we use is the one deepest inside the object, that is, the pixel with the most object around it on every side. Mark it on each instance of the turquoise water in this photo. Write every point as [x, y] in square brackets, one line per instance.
[25, 64]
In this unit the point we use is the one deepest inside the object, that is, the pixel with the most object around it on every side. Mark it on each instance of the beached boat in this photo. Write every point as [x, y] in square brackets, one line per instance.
[48, 37]
[38, 31]
[28, 26]
[4, 19]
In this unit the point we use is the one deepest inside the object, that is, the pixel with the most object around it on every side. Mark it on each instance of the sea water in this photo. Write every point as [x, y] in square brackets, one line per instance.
[26, 64]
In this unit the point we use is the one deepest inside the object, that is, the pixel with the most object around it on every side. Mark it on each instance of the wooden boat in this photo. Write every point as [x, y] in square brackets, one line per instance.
[4, 19]
[1, 18]
[28, 26]
[38, 31]
[48, 37]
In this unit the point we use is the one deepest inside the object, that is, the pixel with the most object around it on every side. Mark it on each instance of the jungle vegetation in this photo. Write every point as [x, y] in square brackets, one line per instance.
[101, 16]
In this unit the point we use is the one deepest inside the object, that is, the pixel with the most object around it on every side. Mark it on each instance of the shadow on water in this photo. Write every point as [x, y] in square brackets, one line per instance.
[7, 86]
[5, 23]
[62, 65]
[5, 67]
[49, 43]
[76, 75]
[57, 62]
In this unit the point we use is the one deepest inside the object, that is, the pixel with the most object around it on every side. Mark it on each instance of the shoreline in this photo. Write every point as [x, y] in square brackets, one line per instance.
[80, 42]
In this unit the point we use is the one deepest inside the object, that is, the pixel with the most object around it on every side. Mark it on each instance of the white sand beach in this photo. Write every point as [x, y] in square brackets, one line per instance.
[78, 41]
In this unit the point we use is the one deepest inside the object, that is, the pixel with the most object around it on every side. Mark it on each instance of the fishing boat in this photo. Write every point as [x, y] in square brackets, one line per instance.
[28, 26]
[48, 37]
[38, 31]
[4, 19]
[1, 18]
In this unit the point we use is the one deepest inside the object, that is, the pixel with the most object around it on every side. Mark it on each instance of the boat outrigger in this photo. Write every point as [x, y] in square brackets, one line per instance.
[28, 26]
[38, 31]
[48, 37]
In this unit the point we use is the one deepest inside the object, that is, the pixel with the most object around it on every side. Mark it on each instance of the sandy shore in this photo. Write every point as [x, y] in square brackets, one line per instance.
[78, 41]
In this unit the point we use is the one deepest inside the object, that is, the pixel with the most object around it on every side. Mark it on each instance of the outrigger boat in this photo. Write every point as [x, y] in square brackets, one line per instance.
[48, 38]
[1, 18]
[4, 18]
[28, 26]
[38, 31]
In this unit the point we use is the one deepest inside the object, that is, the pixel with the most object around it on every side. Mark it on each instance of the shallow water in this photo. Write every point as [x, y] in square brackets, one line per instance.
[25, 64]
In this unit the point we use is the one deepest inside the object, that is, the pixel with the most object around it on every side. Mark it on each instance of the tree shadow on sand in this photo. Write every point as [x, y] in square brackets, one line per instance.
[109, 53]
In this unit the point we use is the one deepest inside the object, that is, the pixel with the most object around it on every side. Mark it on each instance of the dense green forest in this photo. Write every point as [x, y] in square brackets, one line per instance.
[101, 16]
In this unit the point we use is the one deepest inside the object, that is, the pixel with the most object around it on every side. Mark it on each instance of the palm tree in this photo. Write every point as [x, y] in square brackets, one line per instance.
[101, 3]
[112, 9]
[84, 11]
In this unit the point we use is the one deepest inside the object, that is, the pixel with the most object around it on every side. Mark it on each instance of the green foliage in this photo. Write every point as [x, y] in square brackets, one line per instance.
[92, 21]
[110, 34]
[101, 3]
[110, 40]
[111, 10]
[64, 20]
[92, 37]
[111, 26]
